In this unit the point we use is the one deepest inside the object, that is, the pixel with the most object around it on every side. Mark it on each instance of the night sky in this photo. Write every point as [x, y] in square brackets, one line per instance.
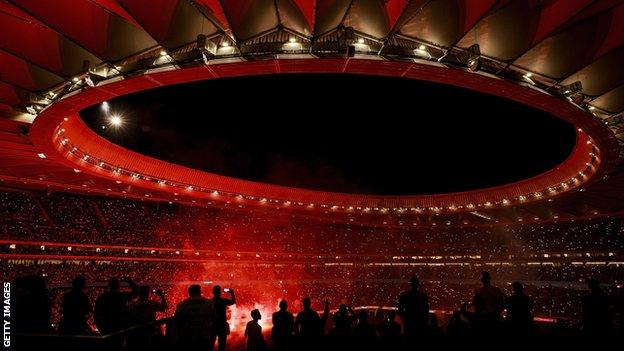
[345, 133]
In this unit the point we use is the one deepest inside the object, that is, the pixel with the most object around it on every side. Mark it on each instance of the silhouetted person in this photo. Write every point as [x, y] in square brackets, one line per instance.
[457, 327]
[489, 302]
[144, 310]
[111, 308]
[32, 305]
[253, 333]
[194, 318]
[619, 304]
[363, 328]
[519, 307]
[414, 310]
[343, 321]
[365, 336]
[434, 327]
[595, 317]
[283, 327]
[76, 309]
[309, 326]
[389, 332]
[308, 322]
[221, 327]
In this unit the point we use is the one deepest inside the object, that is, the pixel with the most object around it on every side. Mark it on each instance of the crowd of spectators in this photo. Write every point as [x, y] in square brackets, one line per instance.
[286, 257]
[73, 218]
[200, 321]
[266, 283]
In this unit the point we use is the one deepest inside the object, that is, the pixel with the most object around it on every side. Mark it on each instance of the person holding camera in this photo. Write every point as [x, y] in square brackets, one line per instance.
[144, 309]
[143, 313]
[221, 328]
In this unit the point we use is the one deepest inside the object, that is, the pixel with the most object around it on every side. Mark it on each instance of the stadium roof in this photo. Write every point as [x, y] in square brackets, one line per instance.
[562, 56]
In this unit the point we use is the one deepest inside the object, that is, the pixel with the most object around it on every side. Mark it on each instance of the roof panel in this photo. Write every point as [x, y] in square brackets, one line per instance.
[506, 32]
[556, 14]
[27, 38]
[308, 8]
[394, 9]
[155, 22]
[172, 23]
[9, 95]
[249, 18]
[81, 20]
[100, 31]
[33, 41]
[215, 9]
[601, 76]
[444, 22]
[20, 73]
[187, 22]
[475, 10]
[439, 22]
[596, 7]
[329, 14]
[566, 52]
[615, 34]
[292, 17]
[113, 6]
[369, 17]
[15, 71]
[613, 101]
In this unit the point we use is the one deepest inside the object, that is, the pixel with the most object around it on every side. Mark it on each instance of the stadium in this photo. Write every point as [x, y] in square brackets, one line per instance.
[325, 149]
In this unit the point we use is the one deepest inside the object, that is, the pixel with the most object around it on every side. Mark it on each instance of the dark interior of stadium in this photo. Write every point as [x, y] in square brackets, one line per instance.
[310, 174]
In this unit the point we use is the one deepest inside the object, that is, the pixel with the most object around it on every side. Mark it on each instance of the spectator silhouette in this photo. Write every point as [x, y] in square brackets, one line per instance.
[619, 304]
[194, 319]
[253, 333]
[595, 310]
[33, 305]
[414, 310]
[111, 308]
[457, 327]
[389, 332]
[519, 307]
[343, 321]
[363, 328]
[76, 309]
[364, 331]
[489, 302]
[144, 310]
[221, 327]
[434, 327]
[283, 327]
[308, 323]
[309, 326]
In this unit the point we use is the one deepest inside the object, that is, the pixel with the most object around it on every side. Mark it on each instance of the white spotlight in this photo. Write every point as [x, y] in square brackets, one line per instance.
[116, 121]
